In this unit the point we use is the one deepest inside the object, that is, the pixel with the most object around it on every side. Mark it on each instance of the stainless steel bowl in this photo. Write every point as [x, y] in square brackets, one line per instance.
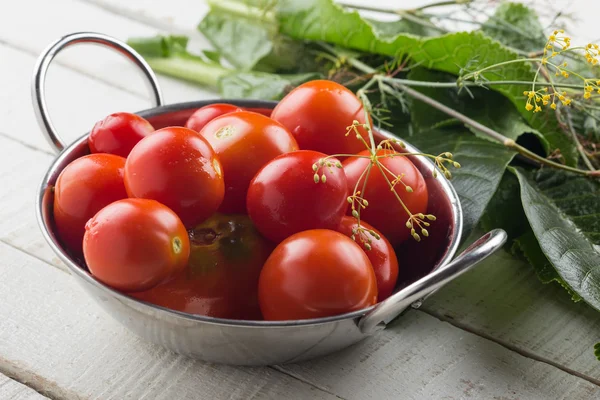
[254, 342]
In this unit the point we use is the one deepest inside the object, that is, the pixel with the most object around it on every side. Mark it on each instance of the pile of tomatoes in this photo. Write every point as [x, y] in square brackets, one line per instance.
[241, 215]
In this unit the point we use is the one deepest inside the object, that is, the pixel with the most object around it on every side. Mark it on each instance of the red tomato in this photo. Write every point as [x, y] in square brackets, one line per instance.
[221, 278]
[118, 133]
[314, 274]
[284, 199]
[204, 115]
[385, 211]
[134, 244]
[381, 254]
[177, 167]
[244, 142]
[84, 187]
[317, 114]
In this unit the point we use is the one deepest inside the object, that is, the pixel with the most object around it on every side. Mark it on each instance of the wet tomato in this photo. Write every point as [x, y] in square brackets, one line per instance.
[135, 244]
[385, 212]
[244, 142]
[118, 133]
[380, 252]
[317, 114]
[221, 278]
[314, 274]
[284, 199]
[204, 115]
[177, 167]
[84, 187]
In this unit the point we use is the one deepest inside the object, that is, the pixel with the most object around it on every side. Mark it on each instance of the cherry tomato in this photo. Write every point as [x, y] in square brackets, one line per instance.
[221, 278]
[118, 133]
[384, 211]
[317, 114]
[177, 167]
[381, 254]
[204, 115]
[134, 244]
[313, 274]
[284, 199]
[244, 142]
[84, 187]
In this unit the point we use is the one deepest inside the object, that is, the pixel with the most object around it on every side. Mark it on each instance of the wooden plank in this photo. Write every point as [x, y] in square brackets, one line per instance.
[36, 31]
[73, 349]
[55, 338]
[503, 299]
[419, 357]
[13, 390]
[76, 102]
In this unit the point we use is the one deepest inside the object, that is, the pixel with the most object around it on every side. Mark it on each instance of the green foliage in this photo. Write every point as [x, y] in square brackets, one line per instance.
[516, 25]
[489, 108]
[483, 164]
[259, 85]
[564, 213]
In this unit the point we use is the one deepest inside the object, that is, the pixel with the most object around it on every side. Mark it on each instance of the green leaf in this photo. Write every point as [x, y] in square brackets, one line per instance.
[312, 20]
[528, 245]
[505, 210]
[516, 25]
[485, 106]
[240, 41]
[597, 350]
[259, 85]
[564, 213]
[482, 166]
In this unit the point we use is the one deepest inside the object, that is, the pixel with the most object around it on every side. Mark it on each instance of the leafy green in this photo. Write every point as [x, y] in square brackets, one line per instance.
[516, 25]
[249, 42]
[483, 164]
[505, 210]
[564, 213]
[489, 108]
[452, 53]
[597, 350]
[528, 245]
[259, 85]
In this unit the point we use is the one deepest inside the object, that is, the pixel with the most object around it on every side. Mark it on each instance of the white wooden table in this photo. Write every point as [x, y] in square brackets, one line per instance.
[495, 333]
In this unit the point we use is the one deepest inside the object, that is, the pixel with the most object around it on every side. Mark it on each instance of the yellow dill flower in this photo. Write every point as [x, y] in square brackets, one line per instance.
[544, 61]
[567, 102]
[552, 38]
[598, 90]
[565, 74]
[587, 95]
[549, 47]
[546, 97]
[554, 54]
[525, 93]
[537, 108]
[561, 97]
[528, 107]
[531, 94]
[553, 106]
[588, 88]
[545, 89]
[545, 102]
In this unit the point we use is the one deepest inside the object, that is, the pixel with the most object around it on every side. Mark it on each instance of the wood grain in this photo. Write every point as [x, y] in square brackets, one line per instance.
[13, 390]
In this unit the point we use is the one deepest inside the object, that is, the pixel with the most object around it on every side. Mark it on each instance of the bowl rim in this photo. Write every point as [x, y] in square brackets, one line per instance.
[74, 268]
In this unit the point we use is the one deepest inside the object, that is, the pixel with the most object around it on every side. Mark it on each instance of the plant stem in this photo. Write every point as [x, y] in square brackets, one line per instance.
[390, 11]
[507, 142]
[421, 21]
[409, 82]
[580, 148]
[237, 8]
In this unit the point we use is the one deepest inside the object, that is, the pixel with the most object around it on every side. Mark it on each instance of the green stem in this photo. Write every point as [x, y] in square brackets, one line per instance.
[509, 143]
[190, 69]
[519, 60]
[580, 148]
[389, 11]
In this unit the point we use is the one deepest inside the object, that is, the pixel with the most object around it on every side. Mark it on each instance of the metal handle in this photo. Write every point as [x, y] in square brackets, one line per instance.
[391, 307]
[38, 84]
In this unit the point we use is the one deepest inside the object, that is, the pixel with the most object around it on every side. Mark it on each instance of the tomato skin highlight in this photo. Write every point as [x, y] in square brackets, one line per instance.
[118, 133]
[221, 278]
[82, 189]
[177, 167]
[134, 244]
[385, 212]
[244, 142]
[204, 115]
[284, 199]
[318, 112]
[314, 274]
[382, 255]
